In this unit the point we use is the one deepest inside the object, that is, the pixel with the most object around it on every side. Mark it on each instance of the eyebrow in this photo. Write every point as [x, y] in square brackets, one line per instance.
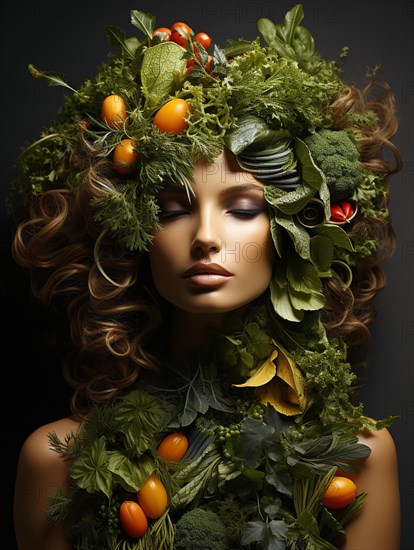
[171, 188]
[242, 187]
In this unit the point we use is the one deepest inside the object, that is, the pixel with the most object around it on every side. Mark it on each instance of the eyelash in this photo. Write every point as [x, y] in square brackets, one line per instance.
[172, 214]
[246, 213]
[239, 213]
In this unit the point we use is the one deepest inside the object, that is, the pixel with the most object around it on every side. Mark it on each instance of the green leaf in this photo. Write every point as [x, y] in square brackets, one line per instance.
[289, 202]
[254, 435]
[237, 47]
[268, 29]
[321, 252]
[271, 506]
[249, 129]
[278, 530]
[292, 20]
[117, 37]
[143, 21]
[280, 299]
[160, 66]
[311, 174]
[91, 472]
[52, 79]
[281, 481]
[308, 301]
[141, 415]
[131, 475]
[255, 531]
[297, 233]
[276, 232]
[337, 235]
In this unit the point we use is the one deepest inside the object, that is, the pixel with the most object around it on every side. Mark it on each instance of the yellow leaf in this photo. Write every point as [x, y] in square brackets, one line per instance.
[276, 393]
[262, 375]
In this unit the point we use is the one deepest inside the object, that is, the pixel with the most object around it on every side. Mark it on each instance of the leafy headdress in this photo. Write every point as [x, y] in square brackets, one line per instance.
[268, 104]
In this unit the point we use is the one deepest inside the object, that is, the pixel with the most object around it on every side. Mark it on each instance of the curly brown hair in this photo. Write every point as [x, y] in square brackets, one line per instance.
[111, 305]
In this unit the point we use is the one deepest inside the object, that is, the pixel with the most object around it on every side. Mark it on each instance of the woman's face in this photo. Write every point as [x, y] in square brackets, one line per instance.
[214, 254]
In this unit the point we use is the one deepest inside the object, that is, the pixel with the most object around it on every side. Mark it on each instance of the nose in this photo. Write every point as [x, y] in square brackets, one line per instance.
[206, 239]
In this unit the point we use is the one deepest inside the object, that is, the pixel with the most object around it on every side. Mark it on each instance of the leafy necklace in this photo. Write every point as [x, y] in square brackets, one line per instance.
[249, 477]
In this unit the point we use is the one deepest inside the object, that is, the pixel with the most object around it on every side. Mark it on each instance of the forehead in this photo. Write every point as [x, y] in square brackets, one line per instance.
[225, 170]
[221, 176]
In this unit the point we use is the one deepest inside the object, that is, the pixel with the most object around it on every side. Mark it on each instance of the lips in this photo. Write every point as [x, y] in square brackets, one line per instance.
[206, 269]
[206, 276]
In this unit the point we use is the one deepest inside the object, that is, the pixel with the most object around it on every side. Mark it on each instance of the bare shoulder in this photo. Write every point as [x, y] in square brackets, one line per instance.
[37, 455]
[377, 526]
[41, 471]
[36, 448]
[381, 444]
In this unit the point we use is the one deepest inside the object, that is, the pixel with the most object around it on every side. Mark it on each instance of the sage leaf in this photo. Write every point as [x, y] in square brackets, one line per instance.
[161, 66]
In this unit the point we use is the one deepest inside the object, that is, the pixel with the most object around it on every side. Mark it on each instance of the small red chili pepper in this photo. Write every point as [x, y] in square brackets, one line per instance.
[341, 211]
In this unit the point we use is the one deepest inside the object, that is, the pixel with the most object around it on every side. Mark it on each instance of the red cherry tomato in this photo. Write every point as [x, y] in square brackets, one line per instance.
[172, 116]
[204, 39]
[208, 64]
[132, 518]
[113, 111]
[153, 497]
[173, 447]
[340, 492]
[125, 156]
[163, 33]
[180, 33]
[341, 211]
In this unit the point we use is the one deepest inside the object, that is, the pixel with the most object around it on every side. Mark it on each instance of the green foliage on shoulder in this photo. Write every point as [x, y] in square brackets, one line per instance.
[333, 381]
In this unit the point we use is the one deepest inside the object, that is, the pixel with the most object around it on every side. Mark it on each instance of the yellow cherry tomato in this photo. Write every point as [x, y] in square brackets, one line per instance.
[173, 447]
[152, 497]
[125, 156]
[113, 111]
[340, 492]
[132, 519]
[172, 116]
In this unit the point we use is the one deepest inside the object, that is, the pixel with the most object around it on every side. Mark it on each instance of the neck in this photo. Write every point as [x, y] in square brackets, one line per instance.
[189, 331]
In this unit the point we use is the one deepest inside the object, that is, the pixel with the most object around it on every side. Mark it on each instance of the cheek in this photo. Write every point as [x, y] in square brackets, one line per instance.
[255, 258]
[166, 258]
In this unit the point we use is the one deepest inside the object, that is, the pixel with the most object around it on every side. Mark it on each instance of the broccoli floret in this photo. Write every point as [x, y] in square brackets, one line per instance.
[200, 529]
[336, 154]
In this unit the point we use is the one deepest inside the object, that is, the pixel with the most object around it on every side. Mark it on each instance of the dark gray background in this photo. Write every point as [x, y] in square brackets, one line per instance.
[69, 37]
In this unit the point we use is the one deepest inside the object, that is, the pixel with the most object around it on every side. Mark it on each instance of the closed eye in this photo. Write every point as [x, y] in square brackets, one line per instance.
[245, 212]
[170, 214]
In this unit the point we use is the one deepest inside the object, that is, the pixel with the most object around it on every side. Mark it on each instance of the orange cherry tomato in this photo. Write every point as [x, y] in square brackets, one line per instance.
[173, 447]
[125, 156]
[113, 111]
[180, 33]
[340, 492]
[163, 33]
[153, 497]
[204, 39]
[172, 116]
[132, 518]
